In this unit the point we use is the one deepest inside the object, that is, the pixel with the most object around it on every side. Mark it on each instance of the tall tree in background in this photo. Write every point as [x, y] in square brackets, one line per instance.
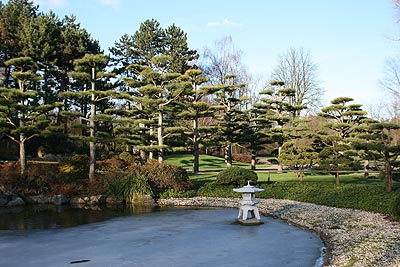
[299, 72]
[221, 61]
[150, 53]
[16, 15]
[176, 46]
[74, 43]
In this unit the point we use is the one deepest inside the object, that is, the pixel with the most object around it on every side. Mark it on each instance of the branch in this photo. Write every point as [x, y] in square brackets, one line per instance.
[12, 138]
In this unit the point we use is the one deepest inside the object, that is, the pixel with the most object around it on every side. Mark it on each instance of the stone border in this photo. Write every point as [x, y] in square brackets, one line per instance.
[352, 237]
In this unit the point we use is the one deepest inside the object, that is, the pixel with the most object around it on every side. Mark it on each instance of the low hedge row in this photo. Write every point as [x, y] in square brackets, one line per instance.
[358, 196]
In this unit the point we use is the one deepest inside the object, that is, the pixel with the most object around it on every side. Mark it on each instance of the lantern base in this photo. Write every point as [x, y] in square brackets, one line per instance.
[252, 221]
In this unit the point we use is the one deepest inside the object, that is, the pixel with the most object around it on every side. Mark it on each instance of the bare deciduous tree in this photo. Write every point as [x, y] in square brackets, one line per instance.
[391, 76]
[224, 60]
[299, 72]
[390, 83]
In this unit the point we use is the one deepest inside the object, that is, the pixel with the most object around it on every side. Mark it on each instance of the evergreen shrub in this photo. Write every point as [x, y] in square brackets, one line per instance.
[358, 196]
[236, 176]
[164, 176]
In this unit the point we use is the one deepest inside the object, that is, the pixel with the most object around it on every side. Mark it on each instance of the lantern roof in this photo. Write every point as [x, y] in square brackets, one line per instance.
[248, 189]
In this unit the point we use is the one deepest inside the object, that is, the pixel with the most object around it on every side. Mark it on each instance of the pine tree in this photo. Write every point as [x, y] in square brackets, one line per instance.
[22, 117]
[256, 132]
[228, 115]
[141, 59]
[90, 71]
[196, 108]
[379, 143]
[277, 115]
[342, 119]
[16, 15]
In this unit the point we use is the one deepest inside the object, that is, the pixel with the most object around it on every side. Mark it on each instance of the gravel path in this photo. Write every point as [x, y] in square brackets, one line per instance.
[352, 237]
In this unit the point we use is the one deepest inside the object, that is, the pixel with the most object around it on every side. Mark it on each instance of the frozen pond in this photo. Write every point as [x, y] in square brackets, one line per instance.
[168, 237]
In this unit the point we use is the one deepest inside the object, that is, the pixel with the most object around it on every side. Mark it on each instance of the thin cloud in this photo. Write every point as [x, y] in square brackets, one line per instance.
[52, 3]
[111, 3]
[225, 22]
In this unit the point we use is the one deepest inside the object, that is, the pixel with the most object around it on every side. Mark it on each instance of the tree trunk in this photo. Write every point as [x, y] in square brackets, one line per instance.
[92, 164]
[143, 153]
[280, 168]
[22, 154]
[196, 153]
[143, 157]
[366, 165]
[388, 174]
[228, 155]
[253, 161]
[151, 132]
[337, 178]
[92, 145]
[160, 137]
[22, 137]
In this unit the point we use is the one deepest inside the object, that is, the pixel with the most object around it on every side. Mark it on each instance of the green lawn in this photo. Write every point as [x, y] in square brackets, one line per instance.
[211, 165]
[207, 163]
[355, 191]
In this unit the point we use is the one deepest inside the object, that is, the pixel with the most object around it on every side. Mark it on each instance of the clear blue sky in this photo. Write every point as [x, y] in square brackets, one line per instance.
[349, 39]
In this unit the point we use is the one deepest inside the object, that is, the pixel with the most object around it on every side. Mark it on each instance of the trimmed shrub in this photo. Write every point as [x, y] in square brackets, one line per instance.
[236, 176]
[164, 176]
[358, 196]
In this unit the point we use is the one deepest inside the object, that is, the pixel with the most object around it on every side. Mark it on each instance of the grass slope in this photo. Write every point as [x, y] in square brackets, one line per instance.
[355, 191]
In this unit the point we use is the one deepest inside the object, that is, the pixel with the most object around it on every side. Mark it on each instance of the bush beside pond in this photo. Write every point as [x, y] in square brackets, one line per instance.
[236, 176]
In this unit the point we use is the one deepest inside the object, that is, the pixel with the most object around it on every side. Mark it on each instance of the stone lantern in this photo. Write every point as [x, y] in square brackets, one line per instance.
[248, 211]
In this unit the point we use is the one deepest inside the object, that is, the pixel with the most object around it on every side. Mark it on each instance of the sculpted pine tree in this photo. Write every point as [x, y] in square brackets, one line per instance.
[342, 119]
[163, 88]
[228, 115]
[379, 142]
[196, 108]
[22, 117]
[277, 114]
[90, 71]
[299, 157]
